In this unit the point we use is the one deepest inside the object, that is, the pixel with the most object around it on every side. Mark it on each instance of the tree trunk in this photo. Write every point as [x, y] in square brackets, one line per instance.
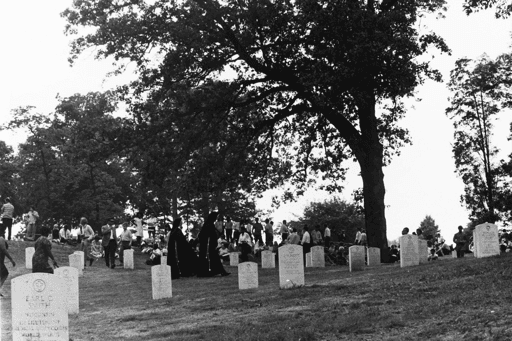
[374, 192]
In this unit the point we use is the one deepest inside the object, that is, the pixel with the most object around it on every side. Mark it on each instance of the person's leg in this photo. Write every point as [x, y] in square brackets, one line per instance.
[139, 241]
[3, 275]
[10, 228]
[112, 253]
[107, 254]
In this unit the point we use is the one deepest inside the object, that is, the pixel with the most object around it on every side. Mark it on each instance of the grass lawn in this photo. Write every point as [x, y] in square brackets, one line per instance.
[450, 299]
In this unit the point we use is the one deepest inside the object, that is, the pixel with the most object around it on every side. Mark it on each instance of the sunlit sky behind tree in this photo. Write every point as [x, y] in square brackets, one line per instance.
[421, 181]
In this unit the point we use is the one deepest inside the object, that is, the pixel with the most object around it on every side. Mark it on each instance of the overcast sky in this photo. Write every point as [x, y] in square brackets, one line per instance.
[34, 70]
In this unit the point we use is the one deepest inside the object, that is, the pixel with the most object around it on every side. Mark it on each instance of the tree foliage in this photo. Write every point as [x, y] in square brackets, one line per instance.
[503, 7]
[309, 75]
[480, 90]
[429, 228]
[338, 214]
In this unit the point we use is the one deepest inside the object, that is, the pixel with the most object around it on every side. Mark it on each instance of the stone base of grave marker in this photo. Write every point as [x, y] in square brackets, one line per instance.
[233, 259]
[247, 275]
[308, 260]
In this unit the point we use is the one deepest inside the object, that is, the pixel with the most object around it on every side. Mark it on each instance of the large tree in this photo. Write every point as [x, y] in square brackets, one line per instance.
[480, 90]
[329, 74]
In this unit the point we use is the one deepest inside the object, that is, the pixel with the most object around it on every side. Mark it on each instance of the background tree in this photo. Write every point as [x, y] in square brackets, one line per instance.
[503, 7]
[337, 214]
[318, 72]
[429, 228]
[8, 175]
[479, 95]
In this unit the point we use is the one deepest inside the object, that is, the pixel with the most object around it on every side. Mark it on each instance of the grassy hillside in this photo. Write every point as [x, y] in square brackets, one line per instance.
[450, 299]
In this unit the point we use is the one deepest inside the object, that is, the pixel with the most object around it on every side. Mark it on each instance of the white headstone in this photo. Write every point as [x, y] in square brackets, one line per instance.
[373, 256]
[233, 259]
[454, 254]
[409, 255]
[423, 251]
[486, 240]
[161, 281]
[81, 254]
[75, 261]
[69, 276]
[268, 260]
[291, 266]
[39, 310]
[163, 260]
[318, 257]
[29, 253]
[356, 258]
[128, 259]
[308, 260]
[247, 275]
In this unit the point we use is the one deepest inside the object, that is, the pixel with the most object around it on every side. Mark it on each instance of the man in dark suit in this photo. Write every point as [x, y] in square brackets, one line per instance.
[109, 243]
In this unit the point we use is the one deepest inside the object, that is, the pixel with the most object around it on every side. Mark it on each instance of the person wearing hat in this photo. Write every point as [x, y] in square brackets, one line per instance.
[109, 243]
[460, 241]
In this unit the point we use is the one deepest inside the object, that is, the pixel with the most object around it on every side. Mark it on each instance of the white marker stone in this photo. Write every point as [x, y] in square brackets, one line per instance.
[268, 260]
[29, 253]
[163, 260]
[128, 259]
[486, 240]
[75, 261]
[69, 277]
[308, 260]
[81, 254]
[409, 255]
[233, 259]
[423, 251]
[318, 257]
[247, 275]
[291, 266]
[454, 254]
[373, 256]
[161, 281]
[39, 310]
[356, 258]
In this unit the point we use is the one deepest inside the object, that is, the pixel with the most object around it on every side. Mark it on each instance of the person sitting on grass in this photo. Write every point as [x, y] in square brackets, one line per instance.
[224, 252]
[156, 256]
[96, 248]
[65, 235]
[394, 255]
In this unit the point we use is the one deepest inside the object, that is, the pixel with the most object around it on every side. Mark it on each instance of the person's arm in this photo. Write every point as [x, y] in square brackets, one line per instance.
[3, 249]
[303, 239]
[48, 251]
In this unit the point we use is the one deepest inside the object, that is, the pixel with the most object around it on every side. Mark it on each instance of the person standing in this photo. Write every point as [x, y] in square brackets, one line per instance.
[245, 243]
[284, 231]
[257, 229]
[7, 212]
[229, 229]
[306, 242]
[32, 217]
[327, 236]
[364, 238]
[269, 233]
[87, 235]
[219, 226]
[180, 255]
[357, 241]
[43, 252]
[138, 226]
[236, 231]
[126, 241]
[460, 241]
[3, 269]
[210, 263]
[293, 238]
[109, 243]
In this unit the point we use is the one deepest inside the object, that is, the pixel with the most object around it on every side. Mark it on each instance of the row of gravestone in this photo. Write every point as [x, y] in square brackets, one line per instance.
[315, 258]
[40, 309]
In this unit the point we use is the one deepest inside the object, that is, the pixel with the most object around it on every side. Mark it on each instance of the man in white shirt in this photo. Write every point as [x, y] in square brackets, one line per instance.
[327, 236]
[32, 217]
[284, 231]
[306, 242]
[109, 243]
[138, 226]
[357, 241]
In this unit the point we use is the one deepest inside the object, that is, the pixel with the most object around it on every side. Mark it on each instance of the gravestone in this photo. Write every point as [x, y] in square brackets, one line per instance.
[308, 260]
[247, 275]
[128, 259]
[409, 255]
[161, 281]
[486, 240]
[69, 277]
[75, 261]
[423, 251]
[163, 260]
[475, 251]
[373, 256]
[318, 257]
[356, 258]
[82, 255]
[233, 259]
[291, 266]
[454, 254]
[39, 310]
[268, 260]
[29, 253]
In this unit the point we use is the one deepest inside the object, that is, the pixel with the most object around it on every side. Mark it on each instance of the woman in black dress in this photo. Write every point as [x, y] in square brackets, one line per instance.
[210, 263]
[180, 255]
[43, 251]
